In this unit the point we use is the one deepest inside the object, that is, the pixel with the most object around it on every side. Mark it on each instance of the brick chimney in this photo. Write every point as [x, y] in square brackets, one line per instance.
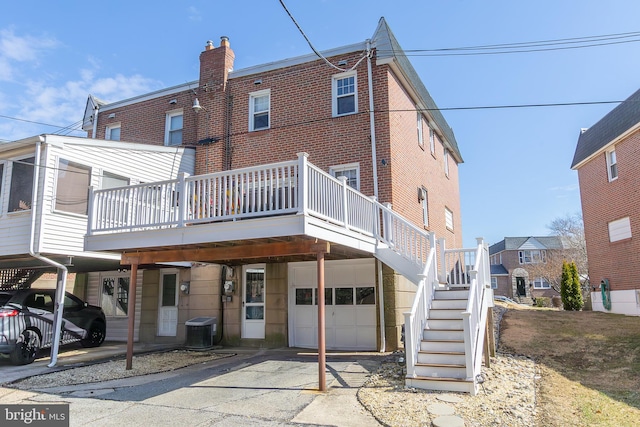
[215, 64]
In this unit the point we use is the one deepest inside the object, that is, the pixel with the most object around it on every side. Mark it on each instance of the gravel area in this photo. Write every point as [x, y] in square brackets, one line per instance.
[507, 396]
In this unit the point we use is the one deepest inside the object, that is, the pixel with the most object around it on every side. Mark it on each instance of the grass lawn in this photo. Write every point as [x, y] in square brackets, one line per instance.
[589, 363]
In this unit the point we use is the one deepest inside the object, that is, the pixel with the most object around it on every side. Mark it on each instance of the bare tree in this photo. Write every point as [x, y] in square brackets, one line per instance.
[571, 229]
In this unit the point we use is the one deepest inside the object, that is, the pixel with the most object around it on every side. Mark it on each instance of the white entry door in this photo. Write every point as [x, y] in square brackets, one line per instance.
[168, 304]
[253, 301]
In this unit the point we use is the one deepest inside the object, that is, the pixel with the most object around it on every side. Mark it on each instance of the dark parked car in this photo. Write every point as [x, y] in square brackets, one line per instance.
[26, 323]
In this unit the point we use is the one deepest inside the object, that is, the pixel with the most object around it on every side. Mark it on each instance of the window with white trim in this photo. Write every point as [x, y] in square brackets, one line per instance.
[446, 162]
[620, 229]
[541, 283]
[535, 256]
[419, 125]
[432, 140]
[345, 94]
[424, 200]
[173, 128]
[72, 187]
[260, 110]
[612, 165]
[112, 132]
[350, 171]
[494, 282]
[448, 218]
[21, 188]
[114, 294]
[111, 180]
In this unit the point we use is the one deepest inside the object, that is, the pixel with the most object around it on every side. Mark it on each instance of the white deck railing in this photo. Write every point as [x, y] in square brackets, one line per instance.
[416, 319]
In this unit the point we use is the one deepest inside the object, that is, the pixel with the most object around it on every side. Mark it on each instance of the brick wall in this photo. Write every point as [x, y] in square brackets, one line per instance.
[604, 201]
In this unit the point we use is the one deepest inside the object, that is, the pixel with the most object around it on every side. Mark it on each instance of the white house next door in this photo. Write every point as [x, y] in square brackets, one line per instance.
[168, 304]
[253, 301]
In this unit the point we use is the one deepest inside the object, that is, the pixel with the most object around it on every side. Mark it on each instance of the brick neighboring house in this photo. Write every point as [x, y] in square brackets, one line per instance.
[606, 159]
[515, 263]
[373, 122]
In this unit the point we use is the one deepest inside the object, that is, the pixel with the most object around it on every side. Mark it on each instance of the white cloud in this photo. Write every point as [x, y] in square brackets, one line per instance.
[194, 14]
[15, 49]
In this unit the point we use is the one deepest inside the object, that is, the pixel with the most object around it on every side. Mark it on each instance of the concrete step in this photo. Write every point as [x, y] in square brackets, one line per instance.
[442, 358]
[443, 334]
[442, 346]
[444, 324]
[442, 384]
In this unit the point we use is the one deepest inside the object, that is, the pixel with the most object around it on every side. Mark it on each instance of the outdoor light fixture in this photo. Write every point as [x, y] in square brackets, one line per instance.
[257, 82]
[173, 101]
[196, 106]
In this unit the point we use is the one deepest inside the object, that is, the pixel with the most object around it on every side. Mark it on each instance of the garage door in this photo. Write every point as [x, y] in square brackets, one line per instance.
[350, 308]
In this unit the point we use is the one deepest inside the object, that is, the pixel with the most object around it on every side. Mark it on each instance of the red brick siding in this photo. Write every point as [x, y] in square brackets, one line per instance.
[603, 202]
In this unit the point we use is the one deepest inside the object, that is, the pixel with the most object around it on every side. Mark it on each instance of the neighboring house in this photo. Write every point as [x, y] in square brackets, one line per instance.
[522, 267]
[371, 122]
[44, 187]
[606, 159]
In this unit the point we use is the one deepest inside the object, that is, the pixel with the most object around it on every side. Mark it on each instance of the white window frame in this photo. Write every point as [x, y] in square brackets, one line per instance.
[494, 282]
[448, 218]
[541, 283]
[168, 130]
[612, 164]
[532, 256]
[109, 130]
[252, 113]
[335, 96]
[116, 276]
[446, 163]
[335, 172]
[419, 125]
[424, 200]
[432, 140]
[10, 187]
[59, 170]
[620, 229]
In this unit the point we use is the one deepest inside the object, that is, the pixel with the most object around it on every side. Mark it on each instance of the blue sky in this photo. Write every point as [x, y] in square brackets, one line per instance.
[516, 177]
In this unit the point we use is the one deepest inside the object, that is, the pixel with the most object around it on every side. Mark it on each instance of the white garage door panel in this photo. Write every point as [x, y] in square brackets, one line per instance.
[350, 311]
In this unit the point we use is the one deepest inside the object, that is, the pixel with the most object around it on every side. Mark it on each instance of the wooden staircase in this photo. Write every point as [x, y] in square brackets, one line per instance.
[18, 278]
[441, 360]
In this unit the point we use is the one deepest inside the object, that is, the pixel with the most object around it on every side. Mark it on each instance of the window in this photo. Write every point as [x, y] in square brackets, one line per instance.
[112, 132]
[541, 283]
[620, 229]
[532, 256]
[21, 189]
[173, 128]
[432, 141]
[110, 180]
[419, 124]
[424, 195]
[259, 108]
[350, 171]
[446, 162]
[612, 165]
[114, 297]
[72, 187]
[365, 296]
[448, 218]
[345, 94]
[494, 282]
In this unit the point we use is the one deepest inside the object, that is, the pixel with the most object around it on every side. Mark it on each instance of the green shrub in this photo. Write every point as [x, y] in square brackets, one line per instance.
[543, 302]
[570, 287]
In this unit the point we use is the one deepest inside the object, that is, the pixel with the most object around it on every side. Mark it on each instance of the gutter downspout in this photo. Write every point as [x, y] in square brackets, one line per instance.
[374, 162]
[62, 270]
[95, 121]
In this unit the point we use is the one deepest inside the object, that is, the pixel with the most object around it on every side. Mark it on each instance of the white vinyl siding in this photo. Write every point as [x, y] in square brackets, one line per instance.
[620, 229]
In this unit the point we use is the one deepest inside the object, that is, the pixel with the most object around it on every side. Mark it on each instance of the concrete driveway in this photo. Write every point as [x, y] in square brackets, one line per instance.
[253, 388]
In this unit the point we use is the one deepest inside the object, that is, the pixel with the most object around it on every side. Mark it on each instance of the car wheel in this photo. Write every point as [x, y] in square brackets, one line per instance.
[96, 335]
[26, 349]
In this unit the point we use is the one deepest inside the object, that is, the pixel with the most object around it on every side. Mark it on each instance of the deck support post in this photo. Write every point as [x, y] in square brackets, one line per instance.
[322, 380]
[131, 313]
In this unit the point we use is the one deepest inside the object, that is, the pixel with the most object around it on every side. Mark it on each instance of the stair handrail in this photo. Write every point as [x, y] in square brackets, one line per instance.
[474, 318]
[416, 319]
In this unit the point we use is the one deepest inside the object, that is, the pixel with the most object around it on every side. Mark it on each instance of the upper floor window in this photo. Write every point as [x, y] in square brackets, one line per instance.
[420, 136]
[345, 94]
[72, 187]
[259, 110]
[612, 165]
[432, 141]
[350, 171]
[448, 218]
[112, 132]
[446, 162]
[173, 128]
[21, 189]
[535, 256]
[110, 180]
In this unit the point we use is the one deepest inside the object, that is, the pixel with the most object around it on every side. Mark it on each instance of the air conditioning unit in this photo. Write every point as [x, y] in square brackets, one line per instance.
[201, 332]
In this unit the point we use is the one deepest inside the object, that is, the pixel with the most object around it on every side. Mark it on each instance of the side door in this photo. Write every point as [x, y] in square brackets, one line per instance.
[253, 301]
[168, 304]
